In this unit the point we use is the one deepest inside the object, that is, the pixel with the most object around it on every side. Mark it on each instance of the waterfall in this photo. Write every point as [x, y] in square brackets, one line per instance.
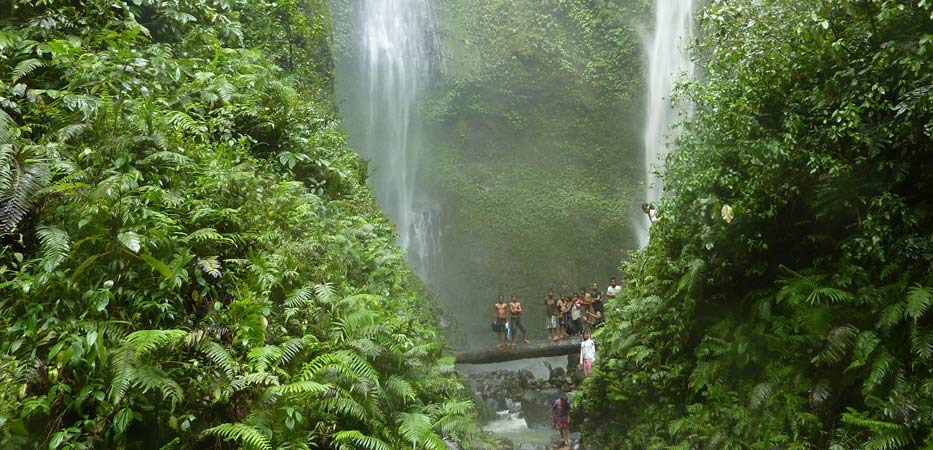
[668, 63]
[395, 49]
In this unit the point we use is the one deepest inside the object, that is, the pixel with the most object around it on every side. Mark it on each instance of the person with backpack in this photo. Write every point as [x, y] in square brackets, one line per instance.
[560, 415]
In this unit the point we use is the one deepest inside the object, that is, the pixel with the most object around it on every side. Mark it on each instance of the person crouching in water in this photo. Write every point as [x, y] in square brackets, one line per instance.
[560, 414]
[587, 354]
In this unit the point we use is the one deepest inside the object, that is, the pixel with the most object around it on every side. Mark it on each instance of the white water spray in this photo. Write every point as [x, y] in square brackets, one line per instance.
[668, 63]
[397, 49]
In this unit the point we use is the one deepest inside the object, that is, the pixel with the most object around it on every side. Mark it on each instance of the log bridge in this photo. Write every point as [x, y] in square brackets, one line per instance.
[521, 351]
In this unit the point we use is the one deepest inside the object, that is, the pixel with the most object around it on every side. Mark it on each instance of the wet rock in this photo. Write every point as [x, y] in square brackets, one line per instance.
[537, 408]
[530, 446]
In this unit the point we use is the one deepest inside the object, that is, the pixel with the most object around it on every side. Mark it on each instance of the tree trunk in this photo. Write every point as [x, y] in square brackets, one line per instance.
[525, 351]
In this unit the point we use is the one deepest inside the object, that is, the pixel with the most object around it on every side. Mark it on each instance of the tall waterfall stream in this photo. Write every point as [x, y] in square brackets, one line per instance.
[668, 63]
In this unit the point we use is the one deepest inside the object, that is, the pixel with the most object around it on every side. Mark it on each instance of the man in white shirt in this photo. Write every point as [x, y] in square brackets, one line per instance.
[613, 290]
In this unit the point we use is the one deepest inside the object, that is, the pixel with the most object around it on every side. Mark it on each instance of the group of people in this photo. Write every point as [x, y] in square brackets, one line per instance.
[576, 313]
[571, 314]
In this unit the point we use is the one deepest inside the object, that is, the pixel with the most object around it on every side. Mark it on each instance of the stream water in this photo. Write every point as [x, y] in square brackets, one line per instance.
[668, 63]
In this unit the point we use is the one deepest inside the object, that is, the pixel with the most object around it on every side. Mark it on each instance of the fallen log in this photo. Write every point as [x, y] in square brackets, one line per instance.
[521, 351]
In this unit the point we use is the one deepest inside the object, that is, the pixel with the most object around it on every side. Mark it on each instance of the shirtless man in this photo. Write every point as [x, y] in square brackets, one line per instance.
[500, 315]
[550, 307]
[515, 319]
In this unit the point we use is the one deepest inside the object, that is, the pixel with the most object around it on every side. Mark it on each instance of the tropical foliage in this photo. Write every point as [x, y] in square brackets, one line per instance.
[806, 321]
[188, 256]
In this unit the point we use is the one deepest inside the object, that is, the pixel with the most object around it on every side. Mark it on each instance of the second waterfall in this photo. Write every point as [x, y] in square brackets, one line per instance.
[668, 63]
[392, 53]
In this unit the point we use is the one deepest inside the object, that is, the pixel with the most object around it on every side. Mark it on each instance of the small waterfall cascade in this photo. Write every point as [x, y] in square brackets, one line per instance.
[395, 51]
[668, 63]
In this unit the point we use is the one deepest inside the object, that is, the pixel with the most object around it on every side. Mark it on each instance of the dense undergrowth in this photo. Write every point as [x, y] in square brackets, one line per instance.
[188, 255]
[806, 322]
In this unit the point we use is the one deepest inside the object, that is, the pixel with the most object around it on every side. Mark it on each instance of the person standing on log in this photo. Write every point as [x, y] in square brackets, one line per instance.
[597, 298]
[563, 315]
[515, 319]
[550, 307]
[500, 316]
[576, 315]
[587, 354]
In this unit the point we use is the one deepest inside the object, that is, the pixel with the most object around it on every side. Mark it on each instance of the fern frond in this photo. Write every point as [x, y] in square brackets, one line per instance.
[25, 67]
[301, 388]
[123, 366]
[399, 390]
[300, 297]
[70, 132]
[19, 183]
[345, 406]
[891, 316]
[919, 300]
[838, 342]
[155, 379]
[891, 440]
[172, 445]
[174, 158]
[416, 428]
[358, 324]
[292, 348]
[921, 342]
[8, 130]
[218, 355]
[262, 358]
[250, 437]
[828, 294]
[182, 122]
[760, 395]
[253, 379]
[882, 367]
[359, 439]
[690, 277]
[144, 342]
[210, 266]
[326, 293]
[56, 245]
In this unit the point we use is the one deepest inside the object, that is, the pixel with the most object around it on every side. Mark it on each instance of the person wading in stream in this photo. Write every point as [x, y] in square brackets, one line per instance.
[560, 415]
[500, 315]
[550, 306]
[515, 319]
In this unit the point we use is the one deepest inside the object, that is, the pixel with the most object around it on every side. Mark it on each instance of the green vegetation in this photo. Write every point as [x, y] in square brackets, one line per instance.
[188, 256]
[807, 321]
[535, 145]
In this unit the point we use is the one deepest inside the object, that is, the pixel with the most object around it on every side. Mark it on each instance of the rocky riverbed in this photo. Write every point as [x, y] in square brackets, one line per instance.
[516, 404]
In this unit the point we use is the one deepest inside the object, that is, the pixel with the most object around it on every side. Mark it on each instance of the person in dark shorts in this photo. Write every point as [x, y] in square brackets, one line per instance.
[515, 319]
[500, 316]
[597, 298]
